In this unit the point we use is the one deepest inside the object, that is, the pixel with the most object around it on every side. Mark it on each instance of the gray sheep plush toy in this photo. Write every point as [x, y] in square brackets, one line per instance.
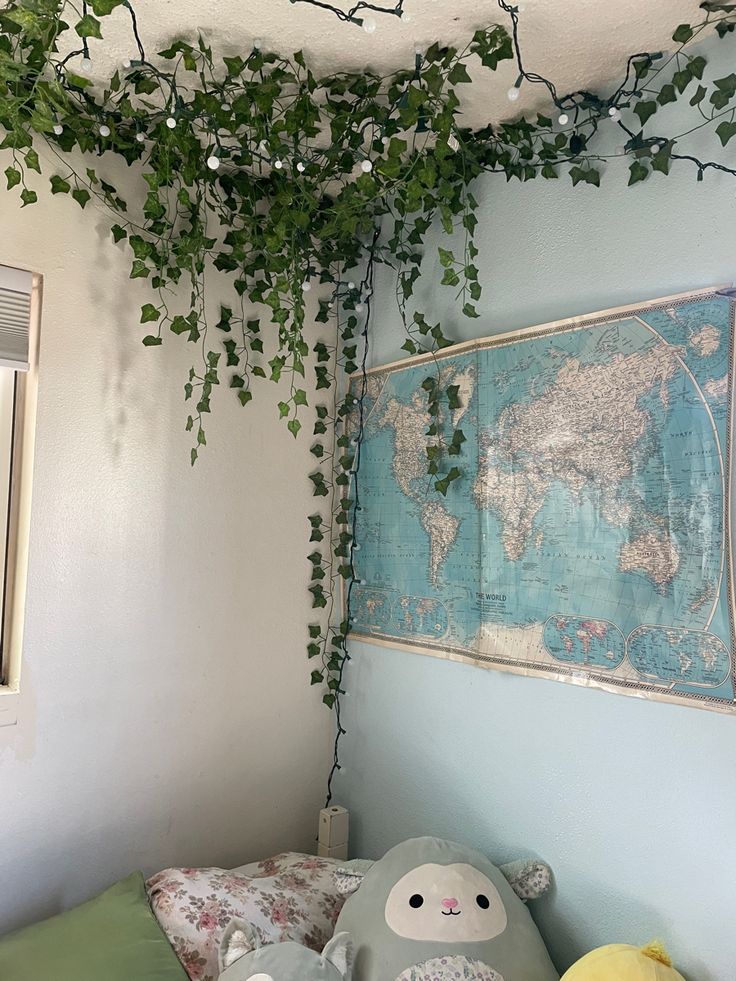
[433, 910]
[243, 959]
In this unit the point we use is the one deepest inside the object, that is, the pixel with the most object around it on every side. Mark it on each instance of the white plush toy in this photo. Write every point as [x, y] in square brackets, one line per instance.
[243, 959]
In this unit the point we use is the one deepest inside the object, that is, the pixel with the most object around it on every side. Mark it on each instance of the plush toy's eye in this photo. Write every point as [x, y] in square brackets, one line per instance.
[482, 901]
[416, 901]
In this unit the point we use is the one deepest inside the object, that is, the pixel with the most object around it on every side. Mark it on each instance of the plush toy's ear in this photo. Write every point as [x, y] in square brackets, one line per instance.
[528, 879]
[347, 881]
[239, 939]
[339, 953]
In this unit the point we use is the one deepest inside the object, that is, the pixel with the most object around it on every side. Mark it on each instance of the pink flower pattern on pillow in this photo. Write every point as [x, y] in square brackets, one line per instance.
[288, 897]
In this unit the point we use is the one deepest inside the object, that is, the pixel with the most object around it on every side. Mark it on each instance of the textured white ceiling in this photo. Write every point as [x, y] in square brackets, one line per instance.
[576, 43]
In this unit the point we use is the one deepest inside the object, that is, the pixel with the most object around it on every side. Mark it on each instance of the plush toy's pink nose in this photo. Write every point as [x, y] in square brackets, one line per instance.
[450, 903]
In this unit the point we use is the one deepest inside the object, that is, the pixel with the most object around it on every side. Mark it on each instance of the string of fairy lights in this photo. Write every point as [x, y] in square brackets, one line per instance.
[362, 13]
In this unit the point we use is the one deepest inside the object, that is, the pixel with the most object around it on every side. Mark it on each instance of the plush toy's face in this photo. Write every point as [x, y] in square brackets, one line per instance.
[451, 903]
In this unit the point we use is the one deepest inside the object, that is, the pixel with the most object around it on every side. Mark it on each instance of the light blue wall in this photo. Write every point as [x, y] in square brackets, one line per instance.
[632, 802]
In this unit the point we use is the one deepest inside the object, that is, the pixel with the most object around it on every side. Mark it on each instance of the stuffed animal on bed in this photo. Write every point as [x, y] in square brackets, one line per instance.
[621, 962]
[433, 910]
[243, 959]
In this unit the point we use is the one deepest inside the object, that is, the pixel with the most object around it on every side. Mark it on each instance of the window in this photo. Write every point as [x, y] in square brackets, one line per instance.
[20, 300]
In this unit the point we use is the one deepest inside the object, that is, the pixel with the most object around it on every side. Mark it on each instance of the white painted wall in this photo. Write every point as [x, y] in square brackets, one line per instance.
[166, 715]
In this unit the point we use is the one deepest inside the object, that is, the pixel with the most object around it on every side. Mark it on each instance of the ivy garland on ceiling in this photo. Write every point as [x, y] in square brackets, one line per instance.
[287, 182]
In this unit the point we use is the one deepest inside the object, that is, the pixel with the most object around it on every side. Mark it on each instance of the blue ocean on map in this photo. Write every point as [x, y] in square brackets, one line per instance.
[587, 533]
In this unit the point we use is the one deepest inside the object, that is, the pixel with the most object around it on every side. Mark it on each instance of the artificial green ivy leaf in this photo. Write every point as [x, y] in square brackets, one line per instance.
[245, 396]
[152, 341]
[726, 131]
[77, 81]
[13, 176]
[697, 66]
[725, 91]
[118, 232]
[699, 95]
[644, 110]
[59, 185]
[139, 270]
[293, 425]
[682, 79]
[666, 95]
[588, 175]
[683, 34]
[638, 172]
[81, 196]
[104, 7]
[32, 161]
[150, 314]
[88, 26]
[458, 74]
[28, 196]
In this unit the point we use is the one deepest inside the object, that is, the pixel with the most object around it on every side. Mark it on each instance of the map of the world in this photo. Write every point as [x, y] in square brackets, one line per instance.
[587, 538]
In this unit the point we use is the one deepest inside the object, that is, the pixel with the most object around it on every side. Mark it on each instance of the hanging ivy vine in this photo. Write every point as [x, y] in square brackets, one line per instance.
[287, 182]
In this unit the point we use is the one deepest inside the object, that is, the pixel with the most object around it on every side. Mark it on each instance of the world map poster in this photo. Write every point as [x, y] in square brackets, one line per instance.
[587, 538]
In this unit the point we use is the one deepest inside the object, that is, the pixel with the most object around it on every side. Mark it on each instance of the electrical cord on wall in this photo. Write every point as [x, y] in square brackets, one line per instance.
[367, 289]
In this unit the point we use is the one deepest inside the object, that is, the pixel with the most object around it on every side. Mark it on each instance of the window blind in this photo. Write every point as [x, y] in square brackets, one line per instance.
[15, 317]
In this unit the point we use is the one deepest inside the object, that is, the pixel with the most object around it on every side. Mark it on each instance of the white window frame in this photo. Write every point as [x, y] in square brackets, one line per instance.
[19, 520]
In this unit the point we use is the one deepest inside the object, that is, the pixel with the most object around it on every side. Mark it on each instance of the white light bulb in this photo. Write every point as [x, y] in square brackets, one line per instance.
[278, 164]
[86, 65]
[306, 286]
[418, 49]
[127, 63]
[513, 94]
[171, 122]
[563, 119]
[385, 140]
[257, 42]
[654, 149]
[213, 162]
[140, 137]
[226, 106]
[406, 16]
[300, 167]
[104, 130]
[614, 113]
[351, 285]
[58, 129]
[369, 24]
[366, 166]
[359, 308]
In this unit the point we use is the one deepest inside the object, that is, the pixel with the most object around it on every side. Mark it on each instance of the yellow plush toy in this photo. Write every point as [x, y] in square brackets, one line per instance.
[621, 962]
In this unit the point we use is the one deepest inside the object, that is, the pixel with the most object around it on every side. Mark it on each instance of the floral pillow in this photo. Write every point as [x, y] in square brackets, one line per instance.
[289, 897]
